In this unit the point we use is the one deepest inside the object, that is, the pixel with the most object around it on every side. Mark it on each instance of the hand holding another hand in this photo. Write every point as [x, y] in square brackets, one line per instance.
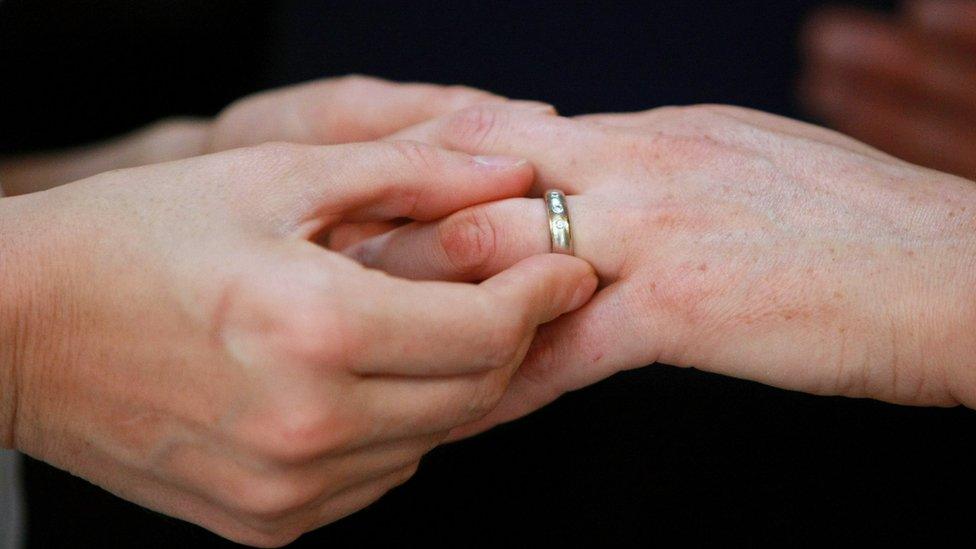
[171, 334]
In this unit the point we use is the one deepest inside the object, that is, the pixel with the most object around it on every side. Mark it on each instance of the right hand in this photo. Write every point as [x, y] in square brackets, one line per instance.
[171, 334]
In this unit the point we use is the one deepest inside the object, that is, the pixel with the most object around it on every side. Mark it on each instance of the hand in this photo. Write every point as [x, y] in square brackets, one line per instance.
[906, 84]
[324, 112]
[725, 239]
[170, 333]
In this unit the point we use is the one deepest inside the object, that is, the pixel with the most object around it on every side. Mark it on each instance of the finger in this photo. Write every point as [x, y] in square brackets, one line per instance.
[441, 328]
[273, 493]
[609, 334]
[567, 154]
[953, 20]
[144, 489]
[898, 126]
[338, 110]
[876, 48]
[346, 235]
[478, 242]
[318, 187]
[360, 497]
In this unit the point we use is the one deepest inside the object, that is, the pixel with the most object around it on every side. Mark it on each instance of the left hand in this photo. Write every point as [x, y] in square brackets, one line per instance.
[905, 83]
[324, 112]
[726, 239]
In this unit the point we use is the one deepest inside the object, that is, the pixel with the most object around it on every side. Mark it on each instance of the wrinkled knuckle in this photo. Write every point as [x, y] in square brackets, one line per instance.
[419, 157]
[472, 128]
[469, 241]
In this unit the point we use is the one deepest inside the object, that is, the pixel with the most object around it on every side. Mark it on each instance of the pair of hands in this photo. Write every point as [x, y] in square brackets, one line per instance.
[201, 356]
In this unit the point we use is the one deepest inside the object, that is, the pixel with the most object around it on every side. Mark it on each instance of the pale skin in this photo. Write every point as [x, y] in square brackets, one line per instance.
[201, 357]
[172, 333]
[727, 240]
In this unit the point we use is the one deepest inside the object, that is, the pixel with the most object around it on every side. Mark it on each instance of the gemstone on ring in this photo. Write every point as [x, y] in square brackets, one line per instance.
[560, 233]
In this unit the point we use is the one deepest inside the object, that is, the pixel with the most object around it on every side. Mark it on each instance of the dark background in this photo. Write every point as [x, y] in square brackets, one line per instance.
[645, 456]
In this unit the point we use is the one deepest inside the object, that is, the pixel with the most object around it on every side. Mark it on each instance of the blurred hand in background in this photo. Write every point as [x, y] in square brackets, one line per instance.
[905, 83]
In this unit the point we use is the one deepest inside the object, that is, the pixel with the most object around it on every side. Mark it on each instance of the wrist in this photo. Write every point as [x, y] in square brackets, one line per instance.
[29, 288]
[14, 299]
[960, 340]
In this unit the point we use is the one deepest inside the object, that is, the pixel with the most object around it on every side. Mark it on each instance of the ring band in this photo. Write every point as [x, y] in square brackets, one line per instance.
[560, 235]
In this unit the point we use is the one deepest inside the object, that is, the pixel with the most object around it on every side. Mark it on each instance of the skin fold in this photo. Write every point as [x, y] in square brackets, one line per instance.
[727, 240]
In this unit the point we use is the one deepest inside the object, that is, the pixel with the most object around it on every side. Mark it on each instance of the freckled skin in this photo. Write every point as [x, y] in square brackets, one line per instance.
[739, 243]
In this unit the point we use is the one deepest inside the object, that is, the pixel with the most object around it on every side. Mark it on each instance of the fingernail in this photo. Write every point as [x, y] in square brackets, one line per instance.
[499, 161]
[532, 106]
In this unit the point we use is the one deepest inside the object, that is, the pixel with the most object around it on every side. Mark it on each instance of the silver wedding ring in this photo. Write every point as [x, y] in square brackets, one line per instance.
[560, 234]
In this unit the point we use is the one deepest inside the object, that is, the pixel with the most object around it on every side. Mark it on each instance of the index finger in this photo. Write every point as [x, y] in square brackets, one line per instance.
[567, 154]
[339, 110]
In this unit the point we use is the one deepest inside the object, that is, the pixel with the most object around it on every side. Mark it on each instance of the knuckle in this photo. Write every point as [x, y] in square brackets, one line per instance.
[262, 318]
[472, 128]
[269, 501]
[469, 240]
[421, 157]
[317, 335]
[305, 433]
